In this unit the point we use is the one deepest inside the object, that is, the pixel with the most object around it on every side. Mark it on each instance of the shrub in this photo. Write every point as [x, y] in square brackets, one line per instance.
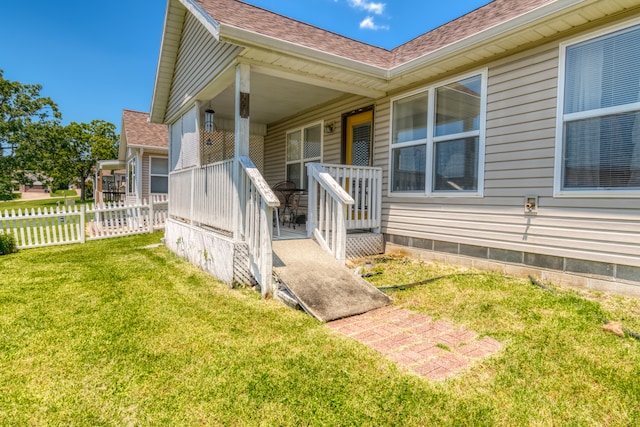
[7, 244]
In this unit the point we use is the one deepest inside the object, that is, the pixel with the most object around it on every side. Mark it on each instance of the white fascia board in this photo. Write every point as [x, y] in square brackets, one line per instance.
[154, 114]
[147, 147]
[203, 17]
[243, 37]
[486, 35]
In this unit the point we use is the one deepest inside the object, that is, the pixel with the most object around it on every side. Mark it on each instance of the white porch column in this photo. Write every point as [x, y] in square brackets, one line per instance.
[97, 190]
[138, 172]
[243, 77]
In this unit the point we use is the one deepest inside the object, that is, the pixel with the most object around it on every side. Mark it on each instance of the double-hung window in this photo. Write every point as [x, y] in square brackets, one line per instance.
[131, 176]
[303, 146]
[159, 175]
[598, 148]
[438, 139]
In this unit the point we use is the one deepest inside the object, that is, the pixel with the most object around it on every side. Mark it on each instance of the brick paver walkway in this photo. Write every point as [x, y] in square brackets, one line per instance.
[434, 349]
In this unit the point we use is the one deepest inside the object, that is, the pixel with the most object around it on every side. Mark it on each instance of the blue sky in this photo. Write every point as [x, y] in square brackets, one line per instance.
[94, 58]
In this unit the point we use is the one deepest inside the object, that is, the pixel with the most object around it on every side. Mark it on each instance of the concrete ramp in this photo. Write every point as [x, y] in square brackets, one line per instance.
[322, 286]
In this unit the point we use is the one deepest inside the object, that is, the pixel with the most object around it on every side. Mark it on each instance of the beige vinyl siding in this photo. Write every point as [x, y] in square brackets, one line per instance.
[521, 106]
[381, 139]
[146, 164]
[145, 176]
[200, 58]
[519, 161]
[381, 159]
[274, 153]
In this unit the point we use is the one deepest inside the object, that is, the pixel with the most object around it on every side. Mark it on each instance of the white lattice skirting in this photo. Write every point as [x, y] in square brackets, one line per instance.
[364, 244]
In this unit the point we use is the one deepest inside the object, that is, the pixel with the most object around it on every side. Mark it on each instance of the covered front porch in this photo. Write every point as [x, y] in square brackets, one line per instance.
[228, 153]
[227, 226]
[246, 112]
[110, 182]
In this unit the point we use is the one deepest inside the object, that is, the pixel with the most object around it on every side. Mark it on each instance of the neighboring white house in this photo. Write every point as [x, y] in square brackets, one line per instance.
[142, 156]
[507, 139]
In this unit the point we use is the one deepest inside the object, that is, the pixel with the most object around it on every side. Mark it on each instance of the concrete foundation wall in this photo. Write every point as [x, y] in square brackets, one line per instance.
[209, 251]
[556, 271]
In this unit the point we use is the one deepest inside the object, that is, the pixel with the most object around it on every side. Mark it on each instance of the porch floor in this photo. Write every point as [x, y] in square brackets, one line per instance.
[288, 232]
[360, 243]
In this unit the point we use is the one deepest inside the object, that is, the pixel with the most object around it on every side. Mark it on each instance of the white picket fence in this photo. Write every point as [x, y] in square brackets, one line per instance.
[76, 224]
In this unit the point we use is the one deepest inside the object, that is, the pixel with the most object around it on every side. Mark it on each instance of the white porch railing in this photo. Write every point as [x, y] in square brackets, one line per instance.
[204, 196]
[364, 185]
[328, 203]
[110, 196]
[257, 202]
[76, 224]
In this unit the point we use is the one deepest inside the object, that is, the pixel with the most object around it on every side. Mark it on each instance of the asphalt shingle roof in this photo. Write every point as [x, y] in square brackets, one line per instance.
[251, 18]
[474, 22]
[140, 132]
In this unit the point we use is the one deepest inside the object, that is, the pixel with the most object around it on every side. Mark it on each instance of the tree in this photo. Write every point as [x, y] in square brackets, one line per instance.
[33, 144]
[7, 168]
[23, 114]
[73, 153]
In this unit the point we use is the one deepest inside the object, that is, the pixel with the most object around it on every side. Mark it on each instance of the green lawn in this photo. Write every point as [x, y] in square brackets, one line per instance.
[64, 193]
[113, 333]
[38, 203]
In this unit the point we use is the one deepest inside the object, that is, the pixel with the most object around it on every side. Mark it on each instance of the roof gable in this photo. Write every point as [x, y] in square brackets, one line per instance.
[138, 131]
[251, 18]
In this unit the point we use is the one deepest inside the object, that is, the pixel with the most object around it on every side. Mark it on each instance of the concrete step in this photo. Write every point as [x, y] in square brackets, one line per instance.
[322, 286]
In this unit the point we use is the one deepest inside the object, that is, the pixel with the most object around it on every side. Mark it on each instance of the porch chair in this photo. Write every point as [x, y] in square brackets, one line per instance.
[282, 191]
[293, 205]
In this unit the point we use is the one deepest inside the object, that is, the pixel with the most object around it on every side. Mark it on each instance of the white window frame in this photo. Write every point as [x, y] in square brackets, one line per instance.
[151, 174]
[431, 140]
[561, 118]
[303, 160]
[132, 171]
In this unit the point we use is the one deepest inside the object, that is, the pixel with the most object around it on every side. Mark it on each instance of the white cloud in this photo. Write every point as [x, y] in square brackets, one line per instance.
[371, 7]
[369, 24]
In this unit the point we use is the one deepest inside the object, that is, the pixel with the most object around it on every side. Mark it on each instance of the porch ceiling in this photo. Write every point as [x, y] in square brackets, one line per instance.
[272, 98]
[111, 165]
